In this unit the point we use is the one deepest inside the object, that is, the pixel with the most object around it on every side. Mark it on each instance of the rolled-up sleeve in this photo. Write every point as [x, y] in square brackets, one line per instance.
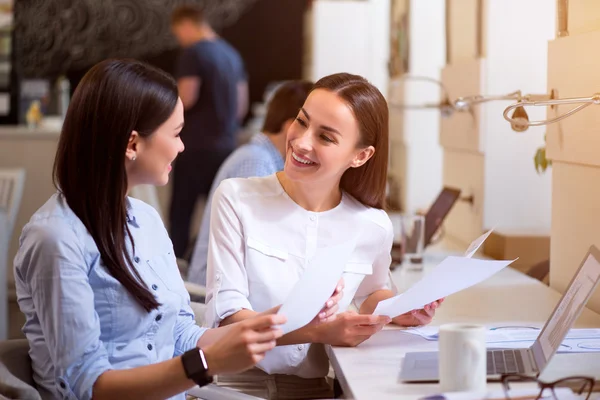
[53, 266]
[380, 278]
[187, 332]
[227, 280]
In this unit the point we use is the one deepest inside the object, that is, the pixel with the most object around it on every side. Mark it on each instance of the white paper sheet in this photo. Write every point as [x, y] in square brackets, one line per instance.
[476, 244]
[508, 335]
[315, 287]
[451, 276]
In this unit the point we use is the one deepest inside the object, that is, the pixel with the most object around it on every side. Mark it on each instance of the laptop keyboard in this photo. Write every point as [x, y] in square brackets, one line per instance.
[505, 362]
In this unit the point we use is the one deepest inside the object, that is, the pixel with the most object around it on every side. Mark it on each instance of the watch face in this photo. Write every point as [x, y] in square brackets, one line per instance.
[203, 359]
[196, 368]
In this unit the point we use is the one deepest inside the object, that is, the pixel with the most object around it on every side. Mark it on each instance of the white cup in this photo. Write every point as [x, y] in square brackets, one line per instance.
[462, 363]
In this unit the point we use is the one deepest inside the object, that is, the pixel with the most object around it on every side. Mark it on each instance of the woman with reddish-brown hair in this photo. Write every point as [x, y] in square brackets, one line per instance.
[265, 231]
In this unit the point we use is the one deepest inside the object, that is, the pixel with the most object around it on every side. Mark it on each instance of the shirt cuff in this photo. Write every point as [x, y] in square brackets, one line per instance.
[77, 381]
[225, 304]
[191, 341]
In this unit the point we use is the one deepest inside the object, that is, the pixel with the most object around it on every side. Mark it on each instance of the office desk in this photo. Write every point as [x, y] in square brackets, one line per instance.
[371, 370]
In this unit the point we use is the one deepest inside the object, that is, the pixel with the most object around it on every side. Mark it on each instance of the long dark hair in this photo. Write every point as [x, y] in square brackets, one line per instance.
[366, 183]
[113, 99]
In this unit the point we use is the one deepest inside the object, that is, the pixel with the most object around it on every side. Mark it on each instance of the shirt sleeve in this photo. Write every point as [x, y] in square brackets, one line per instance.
[380, 278]
[249, 166]
[254, 166]
[187, 332]
[227, 280]
[188, 64]
[53, 265]
[242, 74]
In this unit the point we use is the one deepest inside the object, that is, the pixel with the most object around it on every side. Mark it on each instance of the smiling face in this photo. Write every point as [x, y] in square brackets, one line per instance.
[155, 153]
[324, 141]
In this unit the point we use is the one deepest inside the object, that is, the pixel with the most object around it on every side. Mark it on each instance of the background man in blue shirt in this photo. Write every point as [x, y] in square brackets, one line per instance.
[262, 156]
[213, 88]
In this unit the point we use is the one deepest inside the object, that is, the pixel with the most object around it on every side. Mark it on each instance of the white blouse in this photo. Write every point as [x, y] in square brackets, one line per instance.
[261, 241]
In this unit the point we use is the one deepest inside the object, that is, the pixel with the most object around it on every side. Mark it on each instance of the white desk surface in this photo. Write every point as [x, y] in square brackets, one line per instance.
[371, 370]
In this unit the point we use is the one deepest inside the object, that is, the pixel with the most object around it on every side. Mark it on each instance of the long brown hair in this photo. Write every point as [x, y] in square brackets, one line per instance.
[113, 99]
[366, 183]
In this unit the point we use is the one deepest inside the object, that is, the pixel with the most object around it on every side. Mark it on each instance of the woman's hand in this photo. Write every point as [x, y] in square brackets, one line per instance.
[327, 313]
[351, 329]
[418, 317]
[244, 345]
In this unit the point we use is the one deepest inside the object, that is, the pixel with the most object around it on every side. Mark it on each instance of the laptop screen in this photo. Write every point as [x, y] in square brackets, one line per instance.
[438, 212]
[568, 309]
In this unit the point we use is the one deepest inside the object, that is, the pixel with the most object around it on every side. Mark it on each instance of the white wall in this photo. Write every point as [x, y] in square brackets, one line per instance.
[516, 197]
[421, 127]
[351, 36]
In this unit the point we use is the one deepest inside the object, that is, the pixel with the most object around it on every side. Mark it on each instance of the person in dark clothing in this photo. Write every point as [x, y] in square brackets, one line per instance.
[213, 87]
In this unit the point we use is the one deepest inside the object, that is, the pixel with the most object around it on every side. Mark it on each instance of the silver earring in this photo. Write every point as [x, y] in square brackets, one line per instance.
[133, 158]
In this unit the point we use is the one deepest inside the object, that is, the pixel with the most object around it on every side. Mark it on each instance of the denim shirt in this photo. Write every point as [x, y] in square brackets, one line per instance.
[80, 321]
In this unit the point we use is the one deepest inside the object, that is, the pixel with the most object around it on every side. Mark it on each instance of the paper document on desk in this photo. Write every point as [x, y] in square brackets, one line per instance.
[315, 287]
[566, 346]
[509, 334]
[476, 244]
[451, 276]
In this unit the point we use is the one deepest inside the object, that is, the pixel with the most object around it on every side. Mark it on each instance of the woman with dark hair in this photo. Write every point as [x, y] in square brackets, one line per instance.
[107, 313]
[264, 233]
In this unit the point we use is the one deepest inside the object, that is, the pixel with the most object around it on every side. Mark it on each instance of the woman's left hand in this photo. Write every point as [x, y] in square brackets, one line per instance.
[328, 312]
[418, 317]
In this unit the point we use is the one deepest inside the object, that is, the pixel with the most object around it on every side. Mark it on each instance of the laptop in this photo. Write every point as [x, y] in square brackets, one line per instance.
[438, 211]
[423, 366]
[434, 218]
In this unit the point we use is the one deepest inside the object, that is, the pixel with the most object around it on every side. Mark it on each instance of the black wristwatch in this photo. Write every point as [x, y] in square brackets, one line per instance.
[196, 368]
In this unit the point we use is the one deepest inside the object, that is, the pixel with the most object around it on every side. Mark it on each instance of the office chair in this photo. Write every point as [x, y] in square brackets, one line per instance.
[12, 182]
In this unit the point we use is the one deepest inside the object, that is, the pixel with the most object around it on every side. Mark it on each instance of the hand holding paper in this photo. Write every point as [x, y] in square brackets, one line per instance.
[419, 317]
[450, 276]
[350, 329]
[316, 288]
[331, 307]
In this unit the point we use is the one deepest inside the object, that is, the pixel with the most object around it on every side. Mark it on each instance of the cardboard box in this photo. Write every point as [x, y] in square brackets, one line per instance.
[530, 247]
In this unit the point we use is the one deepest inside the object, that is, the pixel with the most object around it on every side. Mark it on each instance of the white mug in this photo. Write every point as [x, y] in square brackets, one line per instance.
[462, 363]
